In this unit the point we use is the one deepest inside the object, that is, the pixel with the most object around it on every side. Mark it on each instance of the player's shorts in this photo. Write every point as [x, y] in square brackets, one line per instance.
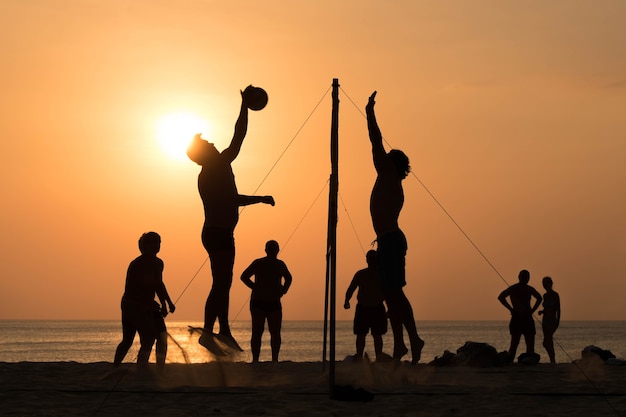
[390, 260]
[159, 322]
[141, 321]
[218, 239]
[522, 324]
[266, 307]
[366, 318]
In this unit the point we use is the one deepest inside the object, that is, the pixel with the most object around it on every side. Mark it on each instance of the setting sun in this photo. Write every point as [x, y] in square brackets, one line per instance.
[175, 130]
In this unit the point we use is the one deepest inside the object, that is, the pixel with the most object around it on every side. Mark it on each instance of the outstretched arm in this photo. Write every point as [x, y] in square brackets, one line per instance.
[246, 200]
[241, 128]
[376, 137]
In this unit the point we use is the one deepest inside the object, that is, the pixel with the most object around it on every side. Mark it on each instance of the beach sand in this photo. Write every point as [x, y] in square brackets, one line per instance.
[302, 389]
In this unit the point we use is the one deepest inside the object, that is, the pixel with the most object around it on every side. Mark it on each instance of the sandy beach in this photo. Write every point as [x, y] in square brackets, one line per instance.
[299, 389]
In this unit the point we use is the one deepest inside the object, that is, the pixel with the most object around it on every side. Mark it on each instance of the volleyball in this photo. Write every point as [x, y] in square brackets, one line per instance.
[255, 97]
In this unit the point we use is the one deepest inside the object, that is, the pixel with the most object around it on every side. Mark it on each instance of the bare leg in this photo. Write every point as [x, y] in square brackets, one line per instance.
[147, 339]
[258, 326]
[217, 302]
[548, 343]
[530, 342]
[274, 324]
[515, 338]
[360, 345]
[408, 320]
[128, 335]
[401, 316]
[399, 348]
[378, 345]
[161, 349]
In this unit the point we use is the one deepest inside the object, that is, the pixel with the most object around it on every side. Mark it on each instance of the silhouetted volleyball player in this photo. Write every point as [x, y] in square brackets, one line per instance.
[221, 200]
[272, 280]
[140, 312]
[551, 316]
[522, 322]
[386, 202]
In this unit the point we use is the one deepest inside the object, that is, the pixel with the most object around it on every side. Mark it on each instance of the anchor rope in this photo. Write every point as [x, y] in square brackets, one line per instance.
[486, 259]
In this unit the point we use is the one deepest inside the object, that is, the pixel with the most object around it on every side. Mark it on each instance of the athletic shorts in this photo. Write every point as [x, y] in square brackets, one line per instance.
[522, 324]
[141, 321]
[266, 307]
[366, 318]
[218, 239]
[390, 260]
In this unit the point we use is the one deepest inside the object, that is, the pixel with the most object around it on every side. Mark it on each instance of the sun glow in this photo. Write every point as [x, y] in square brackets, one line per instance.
[174, 131]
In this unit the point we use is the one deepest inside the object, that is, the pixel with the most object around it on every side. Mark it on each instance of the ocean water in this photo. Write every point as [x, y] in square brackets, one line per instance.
[88, 341]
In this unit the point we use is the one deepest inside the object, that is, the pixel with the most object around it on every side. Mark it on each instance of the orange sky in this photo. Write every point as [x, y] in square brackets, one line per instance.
[513, 114]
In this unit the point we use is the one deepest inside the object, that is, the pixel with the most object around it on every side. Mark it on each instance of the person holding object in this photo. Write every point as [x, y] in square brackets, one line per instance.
[140, 312]
[221, 202]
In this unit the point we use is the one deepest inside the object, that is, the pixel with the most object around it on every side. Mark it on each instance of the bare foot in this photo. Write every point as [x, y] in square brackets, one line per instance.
[400, 352]
[416, 350]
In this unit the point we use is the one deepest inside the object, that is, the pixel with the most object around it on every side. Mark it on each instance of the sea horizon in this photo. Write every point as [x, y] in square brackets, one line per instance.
[82, 340]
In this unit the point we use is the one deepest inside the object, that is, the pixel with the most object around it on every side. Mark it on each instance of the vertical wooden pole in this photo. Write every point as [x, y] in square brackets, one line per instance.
[332, 229]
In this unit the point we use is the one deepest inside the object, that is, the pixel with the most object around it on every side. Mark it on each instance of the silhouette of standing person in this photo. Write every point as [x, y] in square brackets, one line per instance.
[386, 202]
[521, 322]
[272, 280]
[551, 316]
[370, 311]
[221, 201]
[140, 312]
